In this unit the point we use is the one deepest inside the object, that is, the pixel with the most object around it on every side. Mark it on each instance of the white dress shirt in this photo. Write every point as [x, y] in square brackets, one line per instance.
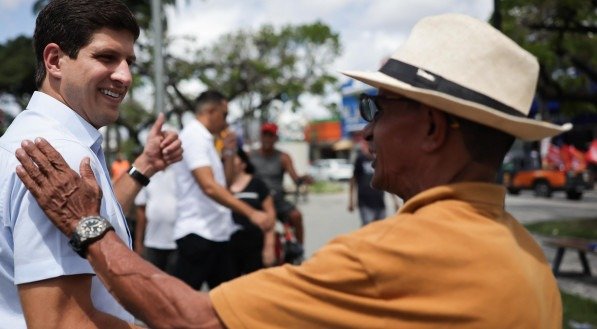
[31, 248]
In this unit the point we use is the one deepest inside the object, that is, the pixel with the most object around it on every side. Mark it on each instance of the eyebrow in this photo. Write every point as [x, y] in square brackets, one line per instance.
[109, 51]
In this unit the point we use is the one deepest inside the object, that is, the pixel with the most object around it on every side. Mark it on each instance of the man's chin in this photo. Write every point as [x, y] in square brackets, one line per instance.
[106, 120]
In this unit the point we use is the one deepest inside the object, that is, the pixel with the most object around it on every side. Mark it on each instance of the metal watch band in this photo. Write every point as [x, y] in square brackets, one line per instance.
[138, 176]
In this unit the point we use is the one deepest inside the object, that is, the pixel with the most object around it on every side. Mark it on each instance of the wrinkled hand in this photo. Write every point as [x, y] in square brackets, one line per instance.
[63, 195]
[262, 219]
[162, 148]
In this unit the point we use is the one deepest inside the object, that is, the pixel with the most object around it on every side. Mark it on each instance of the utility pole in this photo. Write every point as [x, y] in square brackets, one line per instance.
[158, 58]
[496, 18]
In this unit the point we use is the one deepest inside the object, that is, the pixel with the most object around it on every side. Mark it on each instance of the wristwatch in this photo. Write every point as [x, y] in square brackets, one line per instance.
[138, 176]
[88, 229]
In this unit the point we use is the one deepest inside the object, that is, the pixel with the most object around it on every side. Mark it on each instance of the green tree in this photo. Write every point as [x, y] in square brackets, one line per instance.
[257, 68]
[17, 69]
[561, 33]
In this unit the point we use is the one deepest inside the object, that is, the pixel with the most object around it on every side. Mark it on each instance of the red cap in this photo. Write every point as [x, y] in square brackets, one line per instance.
[269, 127]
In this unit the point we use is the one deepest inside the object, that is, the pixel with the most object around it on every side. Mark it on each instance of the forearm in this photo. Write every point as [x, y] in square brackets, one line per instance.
[222, 196]
[126, 188]
[159, 300]
[228, 167]
[351, 188]
[269, 238]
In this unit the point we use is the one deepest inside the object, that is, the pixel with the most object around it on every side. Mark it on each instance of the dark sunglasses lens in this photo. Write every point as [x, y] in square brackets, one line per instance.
[367, 108]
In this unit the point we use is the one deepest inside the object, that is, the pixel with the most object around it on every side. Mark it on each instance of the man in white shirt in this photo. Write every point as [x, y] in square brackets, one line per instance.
[155, 216]
[204, 223]
[84, 50]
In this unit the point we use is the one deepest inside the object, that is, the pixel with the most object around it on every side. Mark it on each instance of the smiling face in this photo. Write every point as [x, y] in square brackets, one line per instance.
[95, 83]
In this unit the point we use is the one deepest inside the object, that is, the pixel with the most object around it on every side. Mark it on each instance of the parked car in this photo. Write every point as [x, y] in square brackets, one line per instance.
[544, 181]
[525, 172]
[331, 169]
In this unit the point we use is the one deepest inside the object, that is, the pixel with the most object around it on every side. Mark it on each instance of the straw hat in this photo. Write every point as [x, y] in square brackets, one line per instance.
[467, 68]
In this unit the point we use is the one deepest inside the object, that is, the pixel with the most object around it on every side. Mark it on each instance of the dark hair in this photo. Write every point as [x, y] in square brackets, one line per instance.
[249, 168]
[71, 24]
[485, 144]
[208, 97]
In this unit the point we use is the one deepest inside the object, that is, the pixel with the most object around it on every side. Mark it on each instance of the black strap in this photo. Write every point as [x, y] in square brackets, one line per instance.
[138, 176]
[420, 78]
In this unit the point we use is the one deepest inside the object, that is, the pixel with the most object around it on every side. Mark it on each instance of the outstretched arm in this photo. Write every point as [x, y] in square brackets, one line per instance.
[148, 293]
[289, 168]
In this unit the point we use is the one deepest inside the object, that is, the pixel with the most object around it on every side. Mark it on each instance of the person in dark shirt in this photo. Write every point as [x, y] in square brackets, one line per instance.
[251, 248]
[369, 200]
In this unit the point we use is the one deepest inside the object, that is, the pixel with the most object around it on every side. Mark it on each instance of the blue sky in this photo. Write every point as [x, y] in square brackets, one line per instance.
[16, 18]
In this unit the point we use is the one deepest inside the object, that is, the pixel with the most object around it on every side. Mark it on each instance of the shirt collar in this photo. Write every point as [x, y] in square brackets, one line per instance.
[471, 192]
[51, 108]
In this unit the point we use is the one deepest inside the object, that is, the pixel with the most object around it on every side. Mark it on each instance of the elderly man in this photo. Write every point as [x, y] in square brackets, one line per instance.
[452, 100]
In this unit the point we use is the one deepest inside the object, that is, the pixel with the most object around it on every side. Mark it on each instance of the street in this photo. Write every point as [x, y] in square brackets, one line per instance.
[528, 208]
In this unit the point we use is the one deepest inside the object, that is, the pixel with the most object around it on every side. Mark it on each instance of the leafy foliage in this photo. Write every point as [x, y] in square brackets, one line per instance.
[17, 69]
[256, 68]
[561, 33]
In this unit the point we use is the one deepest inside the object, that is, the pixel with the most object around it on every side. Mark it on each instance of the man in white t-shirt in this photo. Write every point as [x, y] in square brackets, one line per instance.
[155, 217]
[204, 222]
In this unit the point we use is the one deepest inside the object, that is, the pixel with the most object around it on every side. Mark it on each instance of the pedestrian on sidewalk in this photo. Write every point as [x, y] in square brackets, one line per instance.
[370, 202]
[451, 102]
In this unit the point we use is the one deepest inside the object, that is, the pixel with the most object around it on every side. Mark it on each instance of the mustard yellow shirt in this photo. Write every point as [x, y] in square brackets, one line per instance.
[451, 258]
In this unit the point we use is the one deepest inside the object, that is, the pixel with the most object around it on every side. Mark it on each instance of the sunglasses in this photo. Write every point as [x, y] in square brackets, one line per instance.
[369, 107]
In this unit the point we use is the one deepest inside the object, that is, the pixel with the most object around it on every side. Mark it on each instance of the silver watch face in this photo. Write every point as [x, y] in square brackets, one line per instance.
[91, 227]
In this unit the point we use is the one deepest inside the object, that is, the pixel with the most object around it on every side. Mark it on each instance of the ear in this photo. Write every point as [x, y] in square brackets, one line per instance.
[52, 60]
[437, 130]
